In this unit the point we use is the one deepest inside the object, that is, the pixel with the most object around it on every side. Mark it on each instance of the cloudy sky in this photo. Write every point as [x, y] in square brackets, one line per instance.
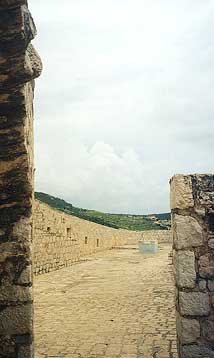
[125, 99]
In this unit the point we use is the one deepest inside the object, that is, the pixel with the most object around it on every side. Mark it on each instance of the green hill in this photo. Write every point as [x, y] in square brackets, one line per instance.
[123, 221]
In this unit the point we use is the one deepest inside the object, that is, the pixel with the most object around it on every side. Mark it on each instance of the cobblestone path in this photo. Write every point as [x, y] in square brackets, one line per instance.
[117, 304]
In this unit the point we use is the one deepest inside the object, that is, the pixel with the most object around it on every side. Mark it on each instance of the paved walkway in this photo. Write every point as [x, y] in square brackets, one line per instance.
[118, 304]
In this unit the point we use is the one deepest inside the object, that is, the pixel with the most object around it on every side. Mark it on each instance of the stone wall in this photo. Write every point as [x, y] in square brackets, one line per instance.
[61, 239]
[192, 204]
[162, 236]
[19, 65]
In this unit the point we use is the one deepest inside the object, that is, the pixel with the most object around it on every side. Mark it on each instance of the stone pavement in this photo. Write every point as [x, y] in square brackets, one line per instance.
[117, 304]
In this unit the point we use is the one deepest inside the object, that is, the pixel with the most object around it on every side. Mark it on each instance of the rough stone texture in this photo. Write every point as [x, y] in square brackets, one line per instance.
[25, 352]
[204, 192]
[162, 236]
[19, 65]
[206, 266]
[208, 330]
[202, 284]
[16, 320]
[187, 232]
[11, 294]
[181, 196]
[193, 230]
[211, 243]
[188, 330]
[185, 269]
[61, 239]
[211, 285]
[194, 303]
[194, 351]
[26, 276]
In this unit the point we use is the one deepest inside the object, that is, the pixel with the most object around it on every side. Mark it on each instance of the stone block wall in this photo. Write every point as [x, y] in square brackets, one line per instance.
[192, 205]
[162, 236]
[61, 239]
[19, 65]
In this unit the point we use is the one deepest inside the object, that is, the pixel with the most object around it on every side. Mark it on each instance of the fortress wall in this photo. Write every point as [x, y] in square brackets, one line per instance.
[192, 204]
[162, 236]
[61, 239]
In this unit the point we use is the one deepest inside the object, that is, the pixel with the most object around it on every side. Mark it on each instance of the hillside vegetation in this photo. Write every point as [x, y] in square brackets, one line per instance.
[123, 221]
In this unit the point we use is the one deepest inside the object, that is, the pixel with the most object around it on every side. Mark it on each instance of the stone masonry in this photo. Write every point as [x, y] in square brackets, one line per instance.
[117, 304]
[61, 239]
[192, 204]
[19, 65]
[162, 236]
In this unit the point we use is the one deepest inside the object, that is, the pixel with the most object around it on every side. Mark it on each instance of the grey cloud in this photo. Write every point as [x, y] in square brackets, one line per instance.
[125, 100]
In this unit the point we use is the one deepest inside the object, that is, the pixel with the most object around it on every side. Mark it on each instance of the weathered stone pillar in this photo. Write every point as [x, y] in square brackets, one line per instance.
[19, 65]
[192, 204]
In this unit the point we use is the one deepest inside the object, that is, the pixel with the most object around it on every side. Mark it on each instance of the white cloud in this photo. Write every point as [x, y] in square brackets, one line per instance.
[127, 91]
[99, 177]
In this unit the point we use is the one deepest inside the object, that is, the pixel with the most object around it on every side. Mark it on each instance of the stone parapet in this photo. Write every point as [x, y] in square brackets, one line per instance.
[192, 205]
[61, 239]
[162, 236]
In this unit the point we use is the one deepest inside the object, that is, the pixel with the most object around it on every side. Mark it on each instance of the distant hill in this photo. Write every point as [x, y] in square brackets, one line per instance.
[163, 216]
[123, 221]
